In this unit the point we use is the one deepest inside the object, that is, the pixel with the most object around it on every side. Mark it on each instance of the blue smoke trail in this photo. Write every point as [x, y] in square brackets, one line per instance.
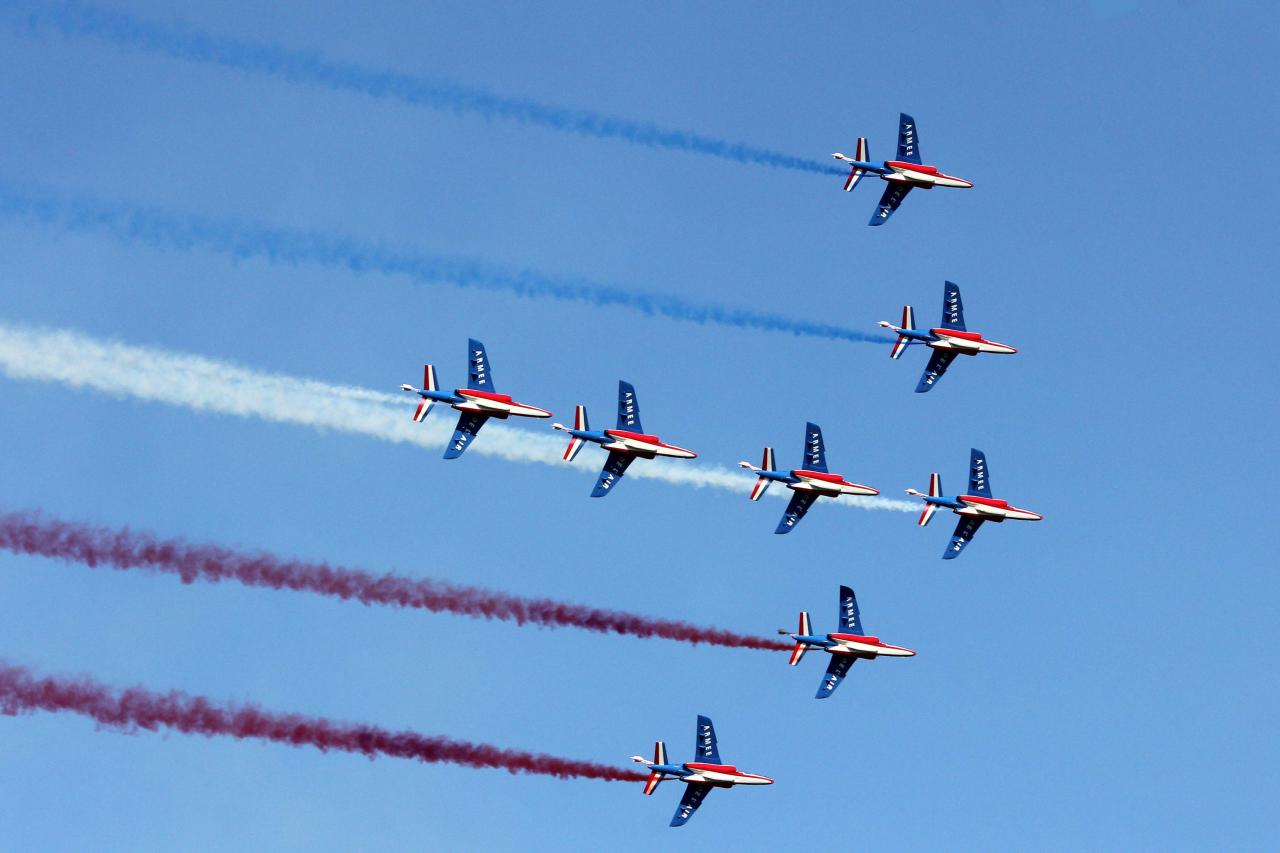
[245, 239]
[75, 19]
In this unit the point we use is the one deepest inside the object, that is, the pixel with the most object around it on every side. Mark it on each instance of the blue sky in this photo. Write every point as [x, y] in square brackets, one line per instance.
[1103, 679]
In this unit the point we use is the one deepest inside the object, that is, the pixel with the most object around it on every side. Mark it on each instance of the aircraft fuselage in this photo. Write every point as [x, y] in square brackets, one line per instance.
[494, 405]
[857, 645]
[923, 177]
[966, 343]
[830, 485]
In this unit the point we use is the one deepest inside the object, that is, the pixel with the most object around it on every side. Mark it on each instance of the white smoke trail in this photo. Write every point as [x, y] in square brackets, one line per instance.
[205, 385]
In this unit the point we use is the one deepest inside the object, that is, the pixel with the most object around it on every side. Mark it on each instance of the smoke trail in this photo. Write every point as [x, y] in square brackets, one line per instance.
[205, 385]
[243, 240]
[313, 69]
[124, 549]
[135, 708]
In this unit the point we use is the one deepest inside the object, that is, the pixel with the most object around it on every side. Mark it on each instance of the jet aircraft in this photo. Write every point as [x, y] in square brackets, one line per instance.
[700, 776]
[902, 174]
[808, 483]
[947, 341]
[845, 648]
[974, 508]
[624, 443]
[477, 402]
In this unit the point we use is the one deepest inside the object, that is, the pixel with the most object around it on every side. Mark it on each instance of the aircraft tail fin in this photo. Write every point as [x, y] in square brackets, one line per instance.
[800, 648]
[580, 424]
[655, 777]
[935, 490]
[428, 384]
[908, 324]
[856, 173]
[762, 483]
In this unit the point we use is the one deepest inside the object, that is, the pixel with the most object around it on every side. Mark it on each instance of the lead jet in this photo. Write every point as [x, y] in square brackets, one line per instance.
[624, 443]
[947, 340]
[902, 174]
[974, 508]
[477, 402]
[808, 483]
[700, 776]
[845, 647]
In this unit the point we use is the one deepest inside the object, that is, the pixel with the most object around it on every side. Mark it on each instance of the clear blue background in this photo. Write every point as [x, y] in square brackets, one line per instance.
[1104, 679]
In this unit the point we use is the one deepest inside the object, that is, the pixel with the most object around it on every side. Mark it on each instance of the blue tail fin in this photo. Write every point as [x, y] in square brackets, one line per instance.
[479, 377]
[705, 748]
[628, 408]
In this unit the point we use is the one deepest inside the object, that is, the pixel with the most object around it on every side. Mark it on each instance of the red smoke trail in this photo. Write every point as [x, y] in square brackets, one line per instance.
[138, 708]
[31, 533]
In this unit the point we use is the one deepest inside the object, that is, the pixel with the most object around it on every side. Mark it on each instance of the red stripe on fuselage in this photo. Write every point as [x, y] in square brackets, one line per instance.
[857, 638]
[912, 167]
[727, 769]
[987, 501]
[484, 395]
[818, 475]
[634, 436]
[956, 333]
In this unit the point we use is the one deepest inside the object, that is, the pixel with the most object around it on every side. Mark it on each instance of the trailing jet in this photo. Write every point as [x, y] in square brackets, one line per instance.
[808, 483]
[902, 174]
[700, 776]
[947, 341]
[477, 402]
[974, 508]
[845, 648]
[624, 443]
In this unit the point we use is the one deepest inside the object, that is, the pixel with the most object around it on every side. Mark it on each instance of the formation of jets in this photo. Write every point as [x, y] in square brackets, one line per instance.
[628, 441]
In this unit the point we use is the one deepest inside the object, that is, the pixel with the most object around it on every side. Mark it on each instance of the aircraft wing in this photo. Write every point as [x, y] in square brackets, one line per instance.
[694, 794]
[837, 669]
[815, 452]
[938, 364]
[952, 307]
[706, 747]
[628, 408]
[849, 619]
[979, 481]
[614, 467]
[894, 193]
[479, 376]
[908, 140]
[968, 526]
[800, 503]
[469, 424]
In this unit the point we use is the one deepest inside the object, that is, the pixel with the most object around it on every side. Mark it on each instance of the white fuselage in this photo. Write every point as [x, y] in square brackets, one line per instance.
[866, 646]
[994, 510]
[967, 344]
[644, 445]
[813, 482]
[496, 406]
[924, 180]
[725, 778]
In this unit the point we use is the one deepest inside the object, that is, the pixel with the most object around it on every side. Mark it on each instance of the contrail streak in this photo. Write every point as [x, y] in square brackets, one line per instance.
[34, 534]
[314, 69]
[134, 708]
[174, 231]
[204, 385]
